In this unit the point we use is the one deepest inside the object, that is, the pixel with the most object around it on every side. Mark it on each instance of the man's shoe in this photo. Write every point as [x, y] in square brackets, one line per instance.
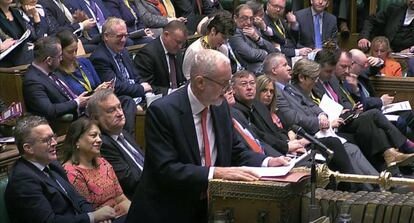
[394, 158]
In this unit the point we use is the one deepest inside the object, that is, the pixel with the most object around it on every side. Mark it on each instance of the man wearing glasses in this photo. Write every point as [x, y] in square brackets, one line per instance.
[112, 62]
[190, 139]
[38, 189]
[248, 45]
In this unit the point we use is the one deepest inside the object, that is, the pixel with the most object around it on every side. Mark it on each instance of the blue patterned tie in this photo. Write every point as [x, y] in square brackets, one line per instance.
[317, 30]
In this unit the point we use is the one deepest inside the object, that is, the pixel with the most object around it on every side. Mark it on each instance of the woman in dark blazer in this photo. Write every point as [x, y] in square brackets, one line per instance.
[13, 25]
[78, 72]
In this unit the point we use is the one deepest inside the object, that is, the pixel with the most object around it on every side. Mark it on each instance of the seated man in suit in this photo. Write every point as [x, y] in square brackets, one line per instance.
[280, 29]
[190, 139]
[59, 17]
[38, 189]
[316, 26]
[118, 146]
[248, 45]
[113, 63]
[45, 92]
[160, 62]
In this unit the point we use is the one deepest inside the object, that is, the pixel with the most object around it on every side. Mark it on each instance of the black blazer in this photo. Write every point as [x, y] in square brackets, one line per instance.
[32, 196]
[127, 172]
[153, 67]
[43, 97]
[173, 178]
[107, 69]
[56, 18]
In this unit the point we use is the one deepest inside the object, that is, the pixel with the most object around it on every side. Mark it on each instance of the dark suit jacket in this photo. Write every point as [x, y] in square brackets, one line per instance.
[262, 125]
[56, 18]
[74, 5]
[385, 23]
[127, 172]
[319, 90]
[120, 10]
[173, 178]
[153, 67]
[306, 32]
[107, 69]
[32, 196]
[294, 108]
[250, 54]
[244, 122]
[287, 43]
[43, 97]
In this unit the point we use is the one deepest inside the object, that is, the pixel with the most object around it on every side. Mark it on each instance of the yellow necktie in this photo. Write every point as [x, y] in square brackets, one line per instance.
[130, 9]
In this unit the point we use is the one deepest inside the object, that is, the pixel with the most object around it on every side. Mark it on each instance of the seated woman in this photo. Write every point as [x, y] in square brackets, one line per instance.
[78, 72]
[265, 93]
[14, 25]
[380, 47]
[218, 28]
[91, 175]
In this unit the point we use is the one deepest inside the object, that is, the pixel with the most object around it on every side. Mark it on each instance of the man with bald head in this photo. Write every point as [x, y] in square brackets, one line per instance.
[190, 139]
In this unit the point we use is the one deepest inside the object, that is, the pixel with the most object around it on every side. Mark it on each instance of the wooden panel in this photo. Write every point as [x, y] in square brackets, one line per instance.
[403, 86]
[11, 82]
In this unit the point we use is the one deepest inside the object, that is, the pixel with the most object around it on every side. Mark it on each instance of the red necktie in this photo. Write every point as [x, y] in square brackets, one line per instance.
[252, 143]
[205, 137]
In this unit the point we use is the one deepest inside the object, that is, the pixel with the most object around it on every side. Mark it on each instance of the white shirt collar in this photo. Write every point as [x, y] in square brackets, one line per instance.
[196, 105]
[40, 166]
[314, 13]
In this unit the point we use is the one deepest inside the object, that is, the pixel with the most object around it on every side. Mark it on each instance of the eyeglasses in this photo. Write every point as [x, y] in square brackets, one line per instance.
[245, 18]
[48, 140]
[119, 36]
[225, 86]
[244, 84]
[278, 7]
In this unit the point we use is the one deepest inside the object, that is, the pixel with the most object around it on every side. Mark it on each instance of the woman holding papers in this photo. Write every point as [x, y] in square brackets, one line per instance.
[14, 25]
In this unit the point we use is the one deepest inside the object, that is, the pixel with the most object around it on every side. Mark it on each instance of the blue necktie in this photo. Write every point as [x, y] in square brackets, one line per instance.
[317, 30]
[139, 158]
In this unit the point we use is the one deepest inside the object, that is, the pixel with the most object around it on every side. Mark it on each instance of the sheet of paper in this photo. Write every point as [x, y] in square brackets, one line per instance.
[330, 107]
[329, 133]
[394, 107]
[18, 42]
[272, 171]
[6, 139]
[392, 118]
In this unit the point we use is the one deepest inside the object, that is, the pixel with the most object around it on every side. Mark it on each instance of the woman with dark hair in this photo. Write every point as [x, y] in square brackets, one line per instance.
[78, 72]
[14, 25]
[91, 175]
[219, 27]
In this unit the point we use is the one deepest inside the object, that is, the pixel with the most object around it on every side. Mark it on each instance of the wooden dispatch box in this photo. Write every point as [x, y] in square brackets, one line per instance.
[258, 201]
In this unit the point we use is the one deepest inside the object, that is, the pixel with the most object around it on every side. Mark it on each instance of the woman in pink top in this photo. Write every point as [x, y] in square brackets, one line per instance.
[91, 175]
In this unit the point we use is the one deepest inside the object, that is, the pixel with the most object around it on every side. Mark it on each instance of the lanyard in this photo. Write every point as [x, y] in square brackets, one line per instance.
[86, 84]
[280, 28]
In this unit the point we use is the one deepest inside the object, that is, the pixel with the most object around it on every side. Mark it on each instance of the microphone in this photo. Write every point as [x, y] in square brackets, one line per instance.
[325, 151]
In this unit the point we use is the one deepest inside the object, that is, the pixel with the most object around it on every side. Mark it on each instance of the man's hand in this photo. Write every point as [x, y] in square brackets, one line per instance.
[88, 23]
[364, 44]
[291, 18]
[258, 22]
[374, 61]
[304, 51]
[147, 87]
[6, 44]
[337, 122]
[148, 32]
[294, 145]
[31, 11]
[251, 32]
[234, 173]
[386, 99]
[352, 80]
[83, 99]
[104, 214]
[278, 161]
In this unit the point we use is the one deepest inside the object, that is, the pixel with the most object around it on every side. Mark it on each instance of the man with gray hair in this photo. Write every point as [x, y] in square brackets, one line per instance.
[190, 139]
[38, 189]
[118, 146]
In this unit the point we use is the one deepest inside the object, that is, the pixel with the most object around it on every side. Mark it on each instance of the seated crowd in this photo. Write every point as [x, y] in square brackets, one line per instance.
[228, 100]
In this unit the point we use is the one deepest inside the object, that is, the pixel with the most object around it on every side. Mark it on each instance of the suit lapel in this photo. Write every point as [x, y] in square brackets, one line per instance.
[54, 87]
[312, 27]
[186, 118]
[218, 133]
[160, 50]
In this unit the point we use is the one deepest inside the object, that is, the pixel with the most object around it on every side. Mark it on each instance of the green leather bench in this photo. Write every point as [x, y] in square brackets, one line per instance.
[4, 218]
